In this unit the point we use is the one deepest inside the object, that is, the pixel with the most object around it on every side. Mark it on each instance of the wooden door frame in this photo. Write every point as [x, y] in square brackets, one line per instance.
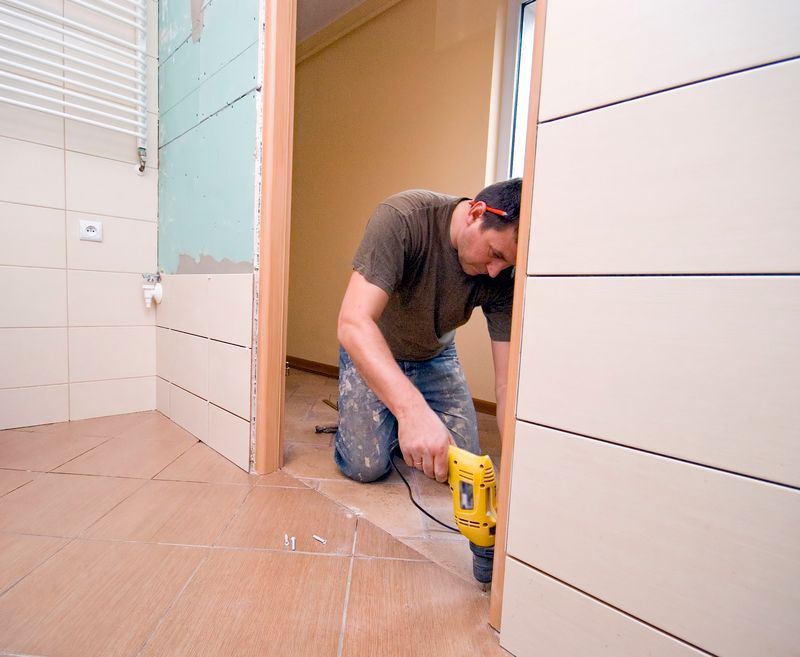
[272, 285]
[523, 238]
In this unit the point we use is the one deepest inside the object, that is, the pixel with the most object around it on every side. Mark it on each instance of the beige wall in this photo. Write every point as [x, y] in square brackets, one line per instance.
[655, 488]
[75, 338]
[401, 102]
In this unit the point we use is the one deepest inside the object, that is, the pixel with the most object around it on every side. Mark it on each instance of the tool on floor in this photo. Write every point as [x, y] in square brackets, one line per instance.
[473, 485]
[326, 428]
[294, 543]
[319, 539]
[286, 540]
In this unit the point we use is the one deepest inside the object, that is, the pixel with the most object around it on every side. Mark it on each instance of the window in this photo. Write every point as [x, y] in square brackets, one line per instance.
[522, 87]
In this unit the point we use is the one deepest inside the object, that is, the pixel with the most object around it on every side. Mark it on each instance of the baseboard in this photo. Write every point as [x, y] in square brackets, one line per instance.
[481, 405]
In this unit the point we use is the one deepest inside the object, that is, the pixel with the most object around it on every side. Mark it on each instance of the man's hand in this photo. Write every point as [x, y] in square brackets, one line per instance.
[424, 440]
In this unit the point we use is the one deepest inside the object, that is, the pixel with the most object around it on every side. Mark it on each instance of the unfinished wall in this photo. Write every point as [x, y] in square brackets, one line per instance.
[399, 103]
[655, 494]
[75, 338]
[207, 203]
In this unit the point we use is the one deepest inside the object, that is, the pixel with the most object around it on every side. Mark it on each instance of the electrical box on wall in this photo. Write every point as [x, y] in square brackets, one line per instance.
[91, 231]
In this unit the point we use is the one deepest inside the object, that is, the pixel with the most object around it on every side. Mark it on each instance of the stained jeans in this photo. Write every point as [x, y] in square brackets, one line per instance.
[367, 432]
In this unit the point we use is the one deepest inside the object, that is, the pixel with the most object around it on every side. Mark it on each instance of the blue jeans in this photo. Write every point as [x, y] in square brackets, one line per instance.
[367, 433]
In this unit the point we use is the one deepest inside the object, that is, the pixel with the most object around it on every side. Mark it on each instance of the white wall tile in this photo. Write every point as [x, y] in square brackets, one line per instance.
[31, 173]
[703, 368]
[25, 407]
[107, 299]
[229, 380]
[33, 357]
[101, 142]
[101, 186]
[592, 58]
[701, 179]
[99, 353]
[229, 435]
[30, 125]
[163, 346]
[32, 236]
[185, 303]
[33, 297]
[187, 356]
[128, 245]
[162, 396]
[542, 616]
[189, 411]
[230, 308]
[100, 398]
[660, 539]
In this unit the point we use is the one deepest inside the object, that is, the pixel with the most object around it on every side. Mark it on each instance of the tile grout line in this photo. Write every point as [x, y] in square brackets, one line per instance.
[340, 648]
[68, 541]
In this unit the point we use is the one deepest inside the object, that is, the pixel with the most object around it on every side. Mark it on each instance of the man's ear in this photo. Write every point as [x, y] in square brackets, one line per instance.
[476, 210]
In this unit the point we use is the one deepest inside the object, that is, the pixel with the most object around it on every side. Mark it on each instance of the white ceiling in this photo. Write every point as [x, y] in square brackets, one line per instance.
[313, 15]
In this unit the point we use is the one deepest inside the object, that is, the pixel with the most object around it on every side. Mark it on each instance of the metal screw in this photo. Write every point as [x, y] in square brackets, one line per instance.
[294, 544]
[319, 539]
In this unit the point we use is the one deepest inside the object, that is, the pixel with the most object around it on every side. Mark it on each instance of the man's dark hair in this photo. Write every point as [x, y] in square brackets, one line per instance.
[504, 196]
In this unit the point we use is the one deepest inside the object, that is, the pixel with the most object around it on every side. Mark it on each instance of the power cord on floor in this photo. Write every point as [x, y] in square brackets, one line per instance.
[414, 502]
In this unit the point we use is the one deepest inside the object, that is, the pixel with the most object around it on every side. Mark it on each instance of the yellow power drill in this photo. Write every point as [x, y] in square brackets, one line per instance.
[472, 483]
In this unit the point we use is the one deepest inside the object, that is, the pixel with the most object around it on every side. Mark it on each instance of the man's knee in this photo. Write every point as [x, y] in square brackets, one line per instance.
[360, 467]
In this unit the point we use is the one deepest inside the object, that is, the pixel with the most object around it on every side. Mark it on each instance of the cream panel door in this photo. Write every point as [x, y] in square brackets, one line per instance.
[597, 53]
[706, 556]
[545, 618]
[704, 368]
[701, 179]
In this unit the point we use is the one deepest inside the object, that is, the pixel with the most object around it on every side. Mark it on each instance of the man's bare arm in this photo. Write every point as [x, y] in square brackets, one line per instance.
[423, 437]
[500, 353]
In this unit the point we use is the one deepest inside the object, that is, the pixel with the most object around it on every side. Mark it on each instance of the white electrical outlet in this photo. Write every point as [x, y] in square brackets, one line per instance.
[91, 230]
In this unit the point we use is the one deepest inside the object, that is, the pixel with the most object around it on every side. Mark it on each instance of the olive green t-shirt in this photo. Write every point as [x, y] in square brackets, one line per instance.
[406, 251]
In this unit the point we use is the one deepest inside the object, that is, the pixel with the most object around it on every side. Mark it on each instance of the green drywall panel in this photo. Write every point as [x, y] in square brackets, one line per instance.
[207, 190]
[174, 26]
[230, 27]
[223, 88]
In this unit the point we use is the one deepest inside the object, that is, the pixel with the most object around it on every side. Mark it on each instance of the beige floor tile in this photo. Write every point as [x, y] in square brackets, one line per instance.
[158, 427]
[452, 554]
[62, 505]
[268, 513]
[181, 512]
[30, 450]
[94, 599]
[251, 604]
[414, 608]
[129, 457]
[386, 506]
[371, 541]
[108, 426]
[311, 462]
[13, 479]
[299, 430]
[19, 555]
[201, 463]
[279, 478]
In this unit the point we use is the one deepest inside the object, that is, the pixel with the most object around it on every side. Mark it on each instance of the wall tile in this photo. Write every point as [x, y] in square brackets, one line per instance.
[229, 380]
[33, 297]
[101, 142]
[27, 124]
[185, 303]
[100, 353]
[230, 308]
[162, 396]
[128, 245]
[33, 357]
[102, 186]
[31, 236]
[229, 435]
[189, 411]
[31, 173]
[163, 345]
[25, 407]
[100, 398]
[107, 299]
[187, 356]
